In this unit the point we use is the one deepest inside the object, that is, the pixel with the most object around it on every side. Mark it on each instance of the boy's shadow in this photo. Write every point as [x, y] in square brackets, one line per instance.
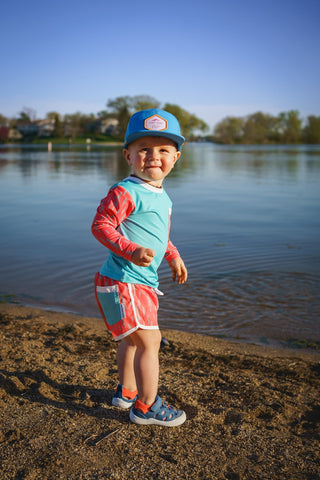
[35, 386]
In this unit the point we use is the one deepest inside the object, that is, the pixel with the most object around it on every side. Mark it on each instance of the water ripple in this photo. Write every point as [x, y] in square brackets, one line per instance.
[260, 307]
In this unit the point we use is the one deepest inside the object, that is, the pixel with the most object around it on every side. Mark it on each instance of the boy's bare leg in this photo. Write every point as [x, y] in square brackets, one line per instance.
[146, 363]
[125, 361]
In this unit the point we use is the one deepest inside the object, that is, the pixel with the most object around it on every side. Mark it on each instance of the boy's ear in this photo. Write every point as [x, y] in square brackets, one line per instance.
[126, 155]
[177, 156]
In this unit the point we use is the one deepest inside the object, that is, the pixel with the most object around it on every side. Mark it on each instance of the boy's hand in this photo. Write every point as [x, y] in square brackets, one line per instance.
[142, 256]
[179, 270]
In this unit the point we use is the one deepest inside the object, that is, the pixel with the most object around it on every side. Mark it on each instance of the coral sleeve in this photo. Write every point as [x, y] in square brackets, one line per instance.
[113, 209]
[171, 252]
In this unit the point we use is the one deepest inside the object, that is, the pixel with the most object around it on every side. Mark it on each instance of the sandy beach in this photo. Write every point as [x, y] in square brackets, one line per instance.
[253, 412]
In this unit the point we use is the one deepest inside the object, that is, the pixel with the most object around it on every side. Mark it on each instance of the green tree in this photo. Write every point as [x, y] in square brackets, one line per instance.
[52, 115]
[76, 124]
[24, 117]
[290, 126]
[229, 130]
[3, 120]
[188, 121]
[103, 114]
[122, 108]
[58, 126]
[258, 128]
[311, 133]
[27, 115]
[144, 102]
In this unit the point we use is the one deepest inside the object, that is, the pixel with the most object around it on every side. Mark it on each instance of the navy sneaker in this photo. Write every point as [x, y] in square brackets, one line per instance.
[159, 414]
[119, 400]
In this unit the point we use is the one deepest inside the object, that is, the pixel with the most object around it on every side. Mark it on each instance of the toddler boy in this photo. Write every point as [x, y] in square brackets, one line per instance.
[133, 222]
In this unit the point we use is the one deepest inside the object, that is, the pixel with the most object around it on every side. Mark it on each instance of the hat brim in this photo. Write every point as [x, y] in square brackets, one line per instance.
[178, 139]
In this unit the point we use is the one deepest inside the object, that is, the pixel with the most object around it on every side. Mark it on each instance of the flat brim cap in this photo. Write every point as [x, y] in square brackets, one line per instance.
[153, 123]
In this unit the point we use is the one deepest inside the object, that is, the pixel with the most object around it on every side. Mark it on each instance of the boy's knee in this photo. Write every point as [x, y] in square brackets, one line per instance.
[147, 339]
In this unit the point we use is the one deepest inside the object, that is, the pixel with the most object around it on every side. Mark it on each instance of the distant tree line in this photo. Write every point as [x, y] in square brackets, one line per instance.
[110, 124]
[263, 128]
[107, 124]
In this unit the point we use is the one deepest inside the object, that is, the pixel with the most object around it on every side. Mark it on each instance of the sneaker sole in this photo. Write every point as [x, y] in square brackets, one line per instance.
[118, 402]
[153, 421]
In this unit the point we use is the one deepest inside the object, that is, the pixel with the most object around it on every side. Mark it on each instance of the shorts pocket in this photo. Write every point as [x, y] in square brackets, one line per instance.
[109, 300]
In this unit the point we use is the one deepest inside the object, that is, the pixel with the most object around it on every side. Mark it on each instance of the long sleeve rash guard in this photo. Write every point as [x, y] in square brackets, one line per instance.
[134, 213]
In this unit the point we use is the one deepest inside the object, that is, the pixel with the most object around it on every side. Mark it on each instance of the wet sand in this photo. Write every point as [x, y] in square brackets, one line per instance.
[253, 412]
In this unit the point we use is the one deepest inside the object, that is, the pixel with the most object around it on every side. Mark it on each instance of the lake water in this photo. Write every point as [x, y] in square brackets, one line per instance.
[245, 219]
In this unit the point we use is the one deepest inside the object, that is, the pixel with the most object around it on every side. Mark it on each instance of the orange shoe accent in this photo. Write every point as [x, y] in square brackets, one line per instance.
[127, 394]
[142, 406]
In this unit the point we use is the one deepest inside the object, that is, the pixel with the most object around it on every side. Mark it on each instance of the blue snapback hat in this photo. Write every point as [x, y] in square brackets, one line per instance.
[153, 123]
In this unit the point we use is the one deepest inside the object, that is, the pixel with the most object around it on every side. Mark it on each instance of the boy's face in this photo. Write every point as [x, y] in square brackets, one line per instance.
[152, 158]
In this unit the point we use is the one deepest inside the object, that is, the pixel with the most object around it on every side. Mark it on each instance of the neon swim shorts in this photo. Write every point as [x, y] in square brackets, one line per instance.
[125, 307]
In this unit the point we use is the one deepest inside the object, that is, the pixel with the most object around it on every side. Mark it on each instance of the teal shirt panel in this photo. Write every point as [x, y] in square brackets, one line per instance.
[148, 226]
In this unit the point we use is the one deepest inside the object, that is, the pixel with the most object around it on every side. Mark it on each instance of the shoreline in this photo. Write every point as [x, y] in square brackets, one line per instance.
[293, 345]
[252, 411]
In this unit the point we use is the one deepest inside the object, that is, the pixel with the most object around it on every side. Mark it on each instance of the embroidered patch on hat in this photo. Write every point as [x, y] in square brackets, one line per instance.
[155, 123]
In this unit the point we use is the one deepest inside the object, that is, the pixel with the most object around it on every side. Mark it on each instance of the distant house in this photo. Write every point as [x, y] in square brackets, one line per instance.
[14, 135]
[104, 126]
[4, 132]
[28, 130]
[108, 126]
[45, 127]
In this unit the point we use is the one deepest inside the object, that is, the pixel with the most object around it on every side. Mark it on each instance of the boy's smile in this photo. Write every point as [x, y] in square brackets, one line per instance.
[152, 158]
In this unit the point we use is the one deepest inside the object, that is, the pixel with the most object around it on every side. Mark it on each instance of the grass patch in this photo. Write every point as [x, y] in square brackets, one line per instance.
[8, 299]
[302, 343]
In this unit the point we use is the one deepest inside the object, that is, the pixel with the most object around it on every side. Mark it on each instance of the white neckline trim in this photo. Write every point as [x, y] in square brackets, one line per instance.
[145, 184]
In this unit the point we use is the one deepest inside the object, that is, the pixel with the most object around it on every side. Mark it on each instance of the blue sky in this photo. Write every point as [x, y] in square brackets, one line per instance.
[213, 58]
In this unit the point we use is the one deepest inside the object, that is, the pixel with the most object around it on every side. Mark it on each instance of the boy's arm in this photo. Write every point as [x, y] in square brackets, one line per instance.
[112, 210]
[178, 268]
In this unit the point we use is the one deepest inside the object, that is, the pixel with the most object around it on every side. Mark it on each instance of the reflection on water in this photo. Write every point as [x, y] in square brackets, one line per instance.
[246, 220]
[30, 161]
[257, 307]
